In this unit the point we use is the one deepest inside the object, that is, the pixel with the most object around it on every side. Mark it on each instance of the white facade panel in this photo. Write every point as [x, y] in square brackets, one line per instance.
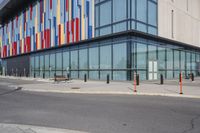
[179, 20]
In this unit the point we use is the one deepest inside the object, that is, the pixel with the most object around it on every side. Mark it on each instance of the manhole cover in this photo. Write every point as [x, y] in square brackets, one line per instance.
[75, 88]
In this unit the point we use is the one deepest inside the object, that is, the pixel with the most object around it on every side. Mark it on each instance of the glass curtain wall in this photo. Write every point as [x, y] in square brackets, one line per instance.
[113, 16]
[118, 58]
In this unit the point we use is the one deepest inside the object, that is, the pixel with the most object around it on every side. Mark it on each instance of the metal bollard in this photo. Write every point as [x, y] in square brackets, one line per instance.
[161, 79]
[138, 79]
[135, 82]
[181, 83]
[108, 79]
[34, 75]
[192, 76]
[85, 78]
[43, 75]
[68, 76]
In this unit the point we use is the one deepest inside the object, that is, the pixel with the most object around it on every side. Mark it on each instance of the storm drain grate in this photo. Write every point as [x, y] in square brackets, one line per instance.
[75, 88]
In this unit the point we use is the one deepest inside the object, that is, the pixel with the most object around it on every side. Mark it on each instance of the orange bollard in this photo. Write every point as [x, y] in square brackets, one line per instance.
[181, 84]
[135, 83]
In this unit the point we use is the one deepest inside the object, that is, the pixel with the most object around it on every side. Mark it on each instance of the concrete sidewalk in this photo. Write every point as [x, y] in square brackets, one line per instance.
[12, 128]
[170, 88]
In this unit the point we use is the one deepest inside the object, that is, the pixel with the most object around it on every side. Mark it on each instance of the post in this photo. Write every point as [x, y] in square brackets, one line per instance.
[54, 76]
[192, 76]
[34, 75]
[138, 79]
[108, 79]
[181, 83]
[161, 79]
[43, 75]
[68, 76]
[85, 78]
[134, 83]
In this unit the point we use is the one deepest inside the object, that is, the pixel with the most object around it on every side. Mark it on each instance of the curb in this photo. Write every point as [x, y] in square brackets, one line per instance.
[113, 93]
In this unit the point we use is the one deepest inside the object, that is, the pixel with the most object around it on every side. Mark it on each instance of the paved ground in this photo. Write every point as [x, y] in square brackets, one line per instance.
[97, 113]
[14, 128]
[170, 88]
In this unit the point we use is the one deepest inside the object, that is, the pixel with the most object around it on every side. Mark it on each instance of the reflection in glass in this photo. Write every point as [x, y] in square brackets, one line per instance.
[141, 56]
[119, 56]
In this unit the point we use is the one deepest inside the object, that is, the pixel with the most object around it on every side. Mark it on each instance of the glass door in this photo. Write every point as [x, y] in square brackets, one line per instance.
[153, 70]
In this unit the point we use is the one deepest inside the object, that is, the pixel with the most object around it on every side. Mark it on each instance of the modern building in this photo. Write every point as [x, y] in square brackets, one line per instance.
[41, 38]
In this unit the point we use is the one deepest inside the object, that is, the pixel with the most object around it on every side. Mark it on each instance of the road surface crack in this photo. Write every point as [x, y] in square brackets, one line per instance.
[192, 124]
[10, 91]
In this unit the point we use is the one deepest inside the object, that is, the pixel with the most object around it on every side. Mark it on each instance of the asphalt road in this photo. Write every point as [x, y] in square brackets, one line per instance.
[99, 113]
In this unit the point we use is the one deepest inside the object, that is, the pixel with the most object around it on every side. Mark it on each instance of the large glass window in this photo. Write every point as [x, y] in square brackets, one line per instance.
[32, 66]
[46, 58]
[161, 58]
[119, 10]
[96, 16]
[94, 58]
[105, 13]
[41, 61]
[119, 56]
[32, 63]
[83, 59]
[193, 63]
[59, 61]
[119, 27]
[169, 59]
[119, 75]
[143, 75]
[182, 60]
[152, 30]
[74, 60]
[41, 65]
[74, 64]
[188, 62]
[141, 27]
[66, 62]
[176, 60]
[119, 15]
[94, 75]
[52, 64]
[133, 9]
[105, 57]
[37, 63]
[169, 63]
[197, 57]
[105, 30]
[152, 53]
[152, 13]
[141, 56]
[142, 10]
[103, 75]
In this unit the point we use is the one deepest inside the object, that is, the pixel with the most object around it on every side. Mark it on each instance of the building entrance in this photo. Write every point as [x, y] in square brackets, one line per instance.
[153, 70]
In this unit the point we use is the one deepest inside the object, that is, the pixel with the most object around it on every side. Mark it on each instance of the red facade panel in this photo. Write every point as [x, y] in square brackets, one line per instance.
[77, 30]
[59, 34]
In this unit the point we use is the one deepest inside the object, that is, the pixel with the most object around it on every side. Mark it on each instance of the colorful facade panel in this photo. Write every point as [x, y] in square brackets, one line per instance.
[46, 24]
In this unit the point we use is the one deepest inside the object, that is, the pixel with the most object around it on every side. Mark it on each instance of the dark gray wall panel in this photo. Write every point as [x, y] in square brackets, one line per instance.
[18, 65]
